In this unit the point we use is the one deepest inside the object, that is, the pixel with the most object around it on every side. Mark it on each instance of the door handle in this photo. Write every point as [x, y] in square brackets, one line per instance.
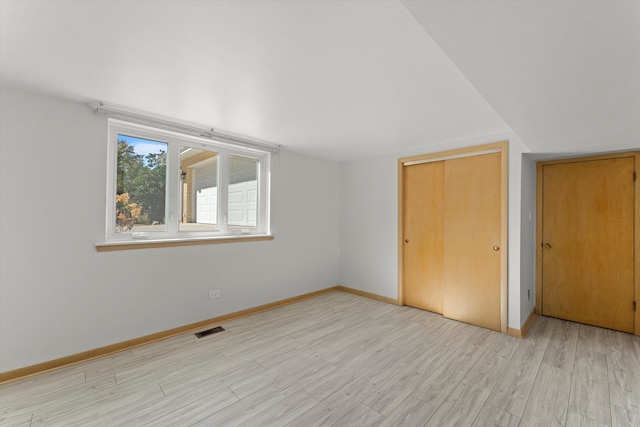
[548, 245]
[406, 240]
[496, 248]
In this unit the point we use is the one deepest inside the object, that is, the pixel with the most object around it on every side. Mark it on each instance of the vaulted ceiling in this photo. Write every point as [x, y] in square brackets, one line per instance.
[345, 79]
[565, 75]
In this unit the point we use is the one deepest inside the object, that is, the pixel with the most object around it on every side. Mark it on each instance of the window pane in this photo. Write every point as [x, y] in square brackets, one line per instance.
[140, 186]
[243, 192]
[199, 189]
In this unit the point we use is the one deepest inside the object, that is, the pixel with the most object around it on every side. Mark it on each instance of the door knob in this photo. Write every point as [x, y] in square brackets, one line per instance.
[496, 248]
[406, 240]
[548, 245]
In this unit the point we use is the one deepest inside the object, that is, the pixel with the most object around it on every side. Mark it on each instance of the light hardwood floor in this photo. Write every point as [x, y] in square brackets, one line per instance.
[341, 359]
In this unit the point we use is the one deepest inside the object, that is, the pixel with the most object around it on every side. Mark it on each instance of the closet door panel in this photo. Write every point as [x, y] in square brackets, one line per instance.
[472, 224]
[423, 233]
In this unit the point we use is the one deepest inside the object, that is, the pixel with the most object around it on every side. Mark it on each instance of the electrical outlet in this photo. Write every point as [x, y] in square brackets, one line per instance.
[214, 294]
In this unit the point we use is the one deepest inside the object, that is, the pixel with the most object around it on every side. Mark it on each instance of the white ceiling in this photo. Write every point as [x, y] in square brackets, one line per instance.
[344, 79]
[565, 75]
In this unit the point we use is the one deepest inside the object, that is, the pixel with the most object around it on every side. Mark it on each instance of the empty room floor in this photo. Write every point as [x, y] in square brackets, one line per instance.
[344, 360]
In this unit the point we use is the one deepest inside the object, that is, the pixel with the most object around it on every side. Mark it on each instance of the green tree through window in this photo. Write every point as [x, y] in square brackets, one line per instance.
[141, 175]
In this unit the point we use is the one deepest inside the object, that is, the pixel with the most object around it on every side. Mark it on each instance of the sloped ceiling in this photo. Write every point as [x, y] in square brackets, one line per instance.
[343, 79]
[565, 75]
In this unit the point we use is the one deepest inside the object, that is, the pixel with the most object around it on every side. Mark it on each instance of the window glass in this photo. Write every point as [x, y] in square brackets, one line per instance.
[198, 189]
[163, 185]
[141, 177]
[243, 192]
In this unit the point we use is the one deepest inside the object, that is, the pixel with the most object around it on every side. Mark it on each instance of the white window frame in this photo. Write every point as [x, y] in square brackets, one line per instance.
[173, 187]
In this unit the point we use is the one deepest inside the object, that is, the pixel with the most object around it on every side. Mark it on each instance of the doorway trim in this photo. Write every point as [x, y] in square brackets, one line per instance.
[539, 213]
[496, 147]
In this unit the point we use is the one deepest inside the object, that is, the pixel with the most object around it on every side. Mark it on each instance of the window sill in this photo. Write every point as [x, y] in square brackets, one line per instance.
[167, 243]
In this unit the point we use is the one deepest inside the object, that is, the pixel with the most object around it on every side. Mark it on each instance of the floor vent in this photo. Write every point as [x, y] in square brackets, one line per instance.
[210, 331]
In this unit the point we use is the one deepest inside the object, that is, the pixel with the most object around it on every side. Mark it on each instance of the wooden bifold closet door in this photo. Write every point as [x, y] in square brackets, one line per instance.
[452, 237]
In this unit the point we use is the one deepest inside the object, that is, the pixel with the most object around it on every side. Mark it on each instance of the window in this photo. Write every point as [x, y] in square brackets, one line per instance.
[169, 186]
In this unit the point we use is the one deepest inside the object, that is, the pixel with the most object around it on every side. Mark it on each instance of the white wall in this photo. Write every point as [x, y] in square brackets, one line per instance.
[368, 225]
[369, 221]
[528, 238]
[59, 296]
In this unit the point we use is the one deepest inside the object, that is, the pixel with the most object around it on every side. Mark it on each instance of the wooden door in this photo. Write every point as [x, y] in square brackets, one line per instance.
[472, 236]
[423, 233]
[588, 242]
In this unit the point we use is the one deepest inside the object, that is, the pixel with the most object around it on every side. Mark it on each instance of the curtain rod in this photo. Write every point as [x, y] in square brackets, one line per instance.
[167, 124]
